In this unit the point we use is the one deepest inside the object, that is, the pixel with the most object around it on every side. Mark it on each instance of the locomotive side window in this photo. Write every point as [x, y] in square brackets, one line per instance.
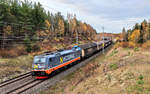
[54, 61]
[50, 62]
[50, 59]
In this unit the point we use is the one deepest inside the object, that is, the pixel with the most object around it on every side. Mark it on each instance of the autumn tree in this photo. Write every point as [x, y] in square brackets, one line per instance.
[25, 18]
[140, 32]
[135, 36]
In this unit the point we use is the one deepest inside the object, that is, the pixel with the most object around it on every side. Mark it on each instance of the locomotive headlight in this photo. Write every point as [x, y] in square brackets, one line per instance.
[34, 66]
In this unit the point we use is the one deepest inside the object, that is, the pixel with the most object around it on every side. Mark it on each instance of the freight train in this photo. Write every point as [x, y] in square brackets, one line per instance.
[48, 63]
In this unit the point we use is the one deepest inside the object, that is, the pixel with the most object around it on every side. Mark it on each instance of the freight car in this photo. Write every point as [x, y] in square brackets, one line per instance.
[47, 63]
[88, 49]
[91, 48]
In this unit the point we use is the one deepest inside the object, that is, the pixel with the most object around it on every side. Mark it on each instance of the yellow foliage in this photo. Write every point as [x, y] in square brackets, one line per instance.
[135, 36]
[61, 26]
[47, 24]
[84, 27]
[74, 23]
[117, 38]
[42, 33]
[132, 44]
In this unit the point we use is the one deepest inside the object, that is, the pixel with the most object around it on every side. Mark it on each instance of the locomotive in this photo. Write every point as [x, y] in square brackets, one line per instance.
[47, 63]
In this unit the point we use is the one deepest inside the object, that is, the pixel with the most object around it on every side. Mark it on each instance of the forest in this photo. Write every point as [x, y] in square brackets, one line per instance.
[140, 33]
[27, 23]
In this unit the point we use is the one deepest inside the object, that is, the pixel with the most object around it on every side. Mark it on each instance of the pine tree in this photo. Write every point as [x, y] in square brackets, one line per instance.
[124, 34]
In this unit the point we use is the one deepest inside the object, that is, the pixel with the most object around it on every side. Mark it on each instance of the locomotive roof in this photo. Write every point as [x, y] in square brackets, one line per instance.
[66, 52]
[53, 54]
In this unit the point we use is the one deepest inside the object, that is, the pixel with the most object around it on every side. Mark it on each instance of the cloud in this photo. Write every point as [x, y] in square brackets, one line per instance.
[113, 14]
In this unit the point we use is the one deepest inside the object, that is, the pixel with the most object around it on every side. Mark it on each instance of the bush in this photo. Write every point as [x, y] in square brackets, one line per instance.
[8, 53]
[13, 52]
[140, 82]
[35, 48]
[146, 45]
[141, 77]
[113, 66]
[126, 45]
[132, 45]
[20, 50]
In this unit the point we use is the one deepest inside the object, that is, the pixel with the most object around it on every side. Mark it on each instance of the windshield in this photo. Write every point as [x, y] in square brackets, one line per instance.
[39, 60]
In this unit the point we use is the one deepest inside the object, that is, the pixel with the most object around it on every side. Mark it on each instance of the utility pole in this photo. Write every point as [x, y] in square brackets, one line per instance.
[76, 37]
[103, 39]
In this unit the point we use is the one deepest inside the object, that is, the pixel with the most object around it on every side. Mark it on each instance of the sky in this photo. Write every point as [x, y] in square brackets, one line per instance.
[112, 14]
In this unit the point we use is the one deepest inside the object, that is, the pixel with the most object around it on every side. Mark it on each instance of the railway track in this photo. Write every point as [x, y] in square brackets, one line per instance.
[25, 84]
[14, 79]
[11, 84]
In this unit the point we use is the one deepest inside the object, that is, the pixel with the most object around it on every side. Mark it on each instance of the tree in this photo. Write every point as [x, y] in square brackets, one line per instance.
[135, 36]
[145, 30]
[18, 17]
[27, 42]
[38, 16]
[137, 26]
[61, 27]
[124, 34]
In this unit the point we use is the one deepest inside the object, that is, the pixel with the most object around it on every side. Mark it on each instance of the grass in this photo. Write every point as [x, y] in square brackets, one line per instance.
[114, 52]
[136, 49]
[109, 77]
[13, 66]
[129, 76]
[113, 66]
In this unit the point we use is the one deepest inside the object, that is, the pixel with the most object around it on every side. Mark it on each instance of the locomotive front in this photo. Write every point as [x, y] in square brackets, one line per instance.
[39, 66]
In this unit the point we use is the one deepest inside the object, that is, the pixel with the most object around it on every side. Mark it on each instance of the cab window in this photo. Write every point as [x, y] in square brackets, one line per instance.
[39, 60]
